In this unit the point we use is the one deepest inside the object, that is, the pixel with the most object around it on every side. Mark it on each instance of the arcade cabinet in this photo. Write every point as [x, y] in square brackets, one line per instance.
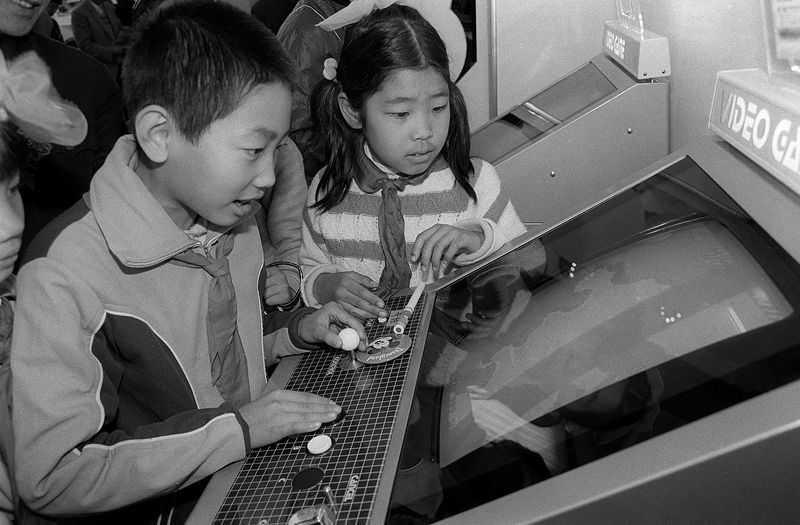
[605, 120]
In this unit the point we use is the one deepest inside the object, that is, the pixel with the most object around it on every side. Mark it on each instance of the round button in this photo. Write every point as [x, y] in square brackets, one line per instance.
[319, 444]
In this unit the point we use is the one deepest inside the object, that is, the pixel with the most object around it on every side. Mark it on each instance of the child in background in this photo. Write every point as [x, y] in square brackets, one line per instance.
[140, 340]
[12, 155]
[309, 45]
[29, 105]
[396, 132]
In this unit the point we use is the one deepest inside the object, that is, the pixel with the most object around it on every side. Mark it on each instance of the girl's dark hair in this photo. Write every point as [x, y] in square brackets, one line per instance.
[198, 59]
[13, 151]
[385, 41]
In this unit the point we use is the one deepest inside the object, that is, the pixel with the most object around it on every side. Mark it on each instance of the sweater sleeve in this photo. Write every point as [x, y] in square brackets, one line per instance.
[314, 256]
[76, 458]
[493, 213]
[284, 209]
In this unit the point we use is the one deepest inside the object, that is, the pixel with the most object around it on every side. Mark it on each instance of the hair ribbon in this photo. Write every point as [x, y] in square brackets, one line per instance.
[29, 100]
[437, 12]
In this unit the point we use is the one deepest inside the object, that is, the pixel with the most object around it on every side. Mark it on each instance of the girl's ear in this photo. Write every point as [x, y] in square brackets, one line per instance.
[351, 116]
[152, 128]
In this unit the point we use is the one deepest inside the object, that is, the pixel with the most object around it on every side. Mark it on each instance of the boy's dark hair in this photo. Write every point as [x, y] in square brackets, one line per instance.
[13, 151]
[198, 59]
[383, 42]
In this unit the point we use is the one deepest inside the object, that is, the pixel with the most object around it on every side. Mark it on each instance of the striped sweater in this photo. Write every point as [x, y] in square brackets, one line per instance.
[346, 238]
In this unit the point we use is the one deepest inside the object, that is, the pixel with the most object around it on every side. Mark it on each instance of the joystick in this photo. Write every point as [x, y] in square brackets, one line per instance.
[350, 341]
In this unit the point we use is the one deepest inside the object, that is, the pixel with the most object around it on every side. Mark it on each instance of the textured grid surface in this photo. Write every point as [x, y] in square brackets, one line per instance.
[263, 492]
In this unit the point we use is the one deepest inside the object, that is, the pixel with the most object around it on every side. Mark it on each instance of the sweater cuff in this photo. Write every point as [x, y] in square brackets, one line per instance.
[488, 229]
[229, 408]
[294, 329]
[307, 286]
[245, 432]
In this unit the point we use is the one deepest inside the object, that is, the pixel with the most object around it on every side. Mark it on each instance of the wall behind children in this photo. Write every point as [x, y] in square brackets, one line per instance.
[523, 46]
[705, 36]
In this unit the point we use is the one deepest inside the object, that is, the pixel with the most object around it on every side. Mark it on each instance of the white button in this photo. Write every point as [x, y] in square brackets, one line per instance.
[319, 444]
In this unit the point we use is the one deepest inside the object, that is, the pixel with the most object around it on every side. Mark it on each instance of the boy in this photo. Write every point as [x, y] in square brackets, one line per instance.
[134, 385]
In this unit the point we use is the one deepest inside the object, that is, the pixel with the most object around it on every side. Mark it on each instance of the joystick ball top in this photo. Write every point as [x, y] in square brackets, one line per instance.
[349, 339]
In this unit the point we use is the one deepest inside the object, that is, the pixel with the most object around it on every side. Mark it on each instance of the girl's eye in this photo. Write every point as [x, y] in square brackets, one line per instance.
[254, 152]
[439, 109]
[399, 114]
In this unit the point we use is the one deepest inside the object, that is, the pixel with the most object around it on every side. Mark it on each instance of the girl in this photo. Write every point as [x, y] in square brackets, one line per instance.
[394, 127]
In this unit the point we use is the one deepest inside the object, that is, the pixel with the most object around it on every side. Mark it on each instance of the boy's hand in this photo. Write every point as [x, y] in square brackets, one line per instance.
[351, 290]
[323, 326]
[280, 413]
[278, 290]
[437, 246]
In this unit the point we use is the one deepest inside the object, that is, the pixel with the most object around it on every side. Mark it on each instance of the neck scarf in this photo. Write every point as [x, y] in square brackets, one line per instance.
[396, 272]
[228, 362]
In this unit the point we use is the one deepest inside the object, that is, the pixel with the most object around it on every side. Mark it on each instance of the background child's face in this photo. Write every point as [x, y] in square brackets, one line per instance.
[17, 19]
[233, 162]
[406, 121]
[12, 219]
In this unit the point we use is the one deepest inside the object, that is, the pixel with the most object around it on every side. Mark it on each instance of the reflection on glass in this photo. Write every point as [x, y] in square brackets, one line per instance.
[574, 93]
[642, 315]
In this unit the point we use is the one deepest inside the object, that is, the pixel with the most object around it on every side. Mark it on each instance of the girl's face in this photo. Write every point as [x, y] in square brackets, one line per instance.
[406, 121]
[11, 223]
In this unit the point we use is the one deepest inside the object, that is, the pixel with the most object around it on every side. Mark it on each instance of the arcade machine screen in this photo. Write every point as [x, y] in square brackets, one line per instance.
[649, 311]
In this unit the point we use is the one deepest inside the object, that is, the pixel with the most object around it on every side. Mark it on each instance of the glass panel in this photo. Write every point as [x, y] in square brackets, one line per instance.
[503, 136]
[575, 92]
[654, 309]
[629, 14]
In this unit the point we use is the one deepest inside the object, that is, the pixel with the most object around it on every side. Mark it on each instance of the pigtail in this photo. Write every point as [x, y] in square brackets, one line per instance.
[456, 148]
[340, 145]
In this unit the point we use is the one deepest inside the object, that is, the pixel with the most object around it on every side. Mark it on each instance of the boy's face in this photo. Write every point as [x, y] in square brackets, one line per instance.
[221, 176]
[406, 121]
[12, 220]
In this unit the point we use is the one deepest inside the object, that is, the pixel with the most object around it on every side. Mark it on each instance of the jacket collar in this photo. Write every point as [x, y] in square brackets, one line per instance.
[136, 227]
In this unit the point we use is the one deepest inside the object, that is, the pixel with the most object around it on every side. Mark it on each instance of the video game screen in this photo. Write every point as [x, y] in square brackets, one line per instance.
[643, 314]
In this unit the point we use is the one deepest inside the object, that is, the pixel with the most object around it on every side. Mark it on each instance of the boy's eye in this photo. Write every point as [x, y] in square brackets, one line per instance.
[399, 114]
[254, 152]
[439, 109]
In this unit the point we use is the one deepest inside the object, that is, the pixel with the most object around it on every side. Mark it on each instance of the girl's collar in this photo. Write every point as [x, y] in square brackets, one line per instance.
[371, 176]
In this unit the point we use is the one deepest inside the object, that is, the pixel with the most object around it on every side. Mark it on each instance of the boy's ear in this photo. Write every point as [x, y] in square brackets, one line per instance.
[152, 132]
[351, 116]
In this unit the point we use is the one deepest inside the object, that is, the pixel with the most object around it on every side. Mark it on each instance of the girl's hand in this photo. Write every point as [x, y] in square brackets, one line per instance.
[323, 326]
[278, 290]
[437, 246]
[352, 291]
